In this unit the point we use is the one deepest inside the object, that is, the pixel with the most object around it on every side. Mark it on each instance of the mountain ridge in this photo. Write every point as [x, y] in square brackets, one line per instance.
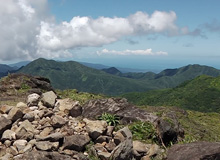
[73, 75]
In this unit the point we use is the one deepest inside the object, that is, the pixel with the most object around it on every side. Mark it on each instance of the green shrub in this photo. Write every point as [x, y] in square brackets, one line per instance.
[112, 120]
[143, 131]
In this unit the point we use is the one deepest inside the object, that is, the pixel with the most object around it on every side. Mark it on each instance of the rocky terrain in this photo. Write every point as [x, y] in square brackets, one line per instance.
[44, 126]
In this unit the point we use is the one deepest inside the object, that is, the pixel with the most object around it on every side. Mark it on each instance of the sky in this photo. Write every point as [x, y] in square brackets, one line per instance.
[144, 34]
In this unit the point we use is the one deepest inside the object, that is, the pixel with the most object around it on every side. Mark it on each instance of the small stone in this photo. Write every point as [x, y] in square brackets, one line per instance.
[46, 131]
[154, 150]
[33, 99]
[33, 108]
[13, 150]
[5, 124]
[118, 138]
[46, 145]
[110, 146]
[28, 148]
[7, 156]
[100, 148]
[102, 139]
[49, 99]
[140, 147]
[95, 128]
[21, 105]
[104, 155]
[29, 116]
[57, 121]
[76, 142]
[5, 109]
[8, 135]
[76, 110]
[110, 130]
[7, 143]
[15, 113]
[20, 144]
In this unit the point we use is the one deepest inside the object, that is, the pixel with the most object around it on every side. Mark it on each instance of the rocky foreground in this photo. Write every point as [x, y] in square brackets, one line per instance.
[49, 128]
[46, 127]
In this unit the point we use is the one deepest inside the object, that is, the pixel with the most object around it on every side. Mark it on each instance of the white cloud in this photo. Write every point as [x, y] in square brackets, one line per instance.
[28, 31]
[146, 52]
[86, 31]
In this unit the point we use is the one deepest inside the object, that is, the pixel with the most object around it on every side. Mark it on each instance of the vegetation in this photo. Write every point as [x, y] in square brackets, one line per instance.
[144, 131]
[198, 126]
[72, 75]
[111, 119]
[200, 94]
[82, 97]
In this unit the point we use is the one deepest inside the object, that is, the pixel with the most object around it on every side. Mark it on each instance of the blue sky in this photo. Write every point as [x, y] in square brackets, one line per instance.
[146, 34]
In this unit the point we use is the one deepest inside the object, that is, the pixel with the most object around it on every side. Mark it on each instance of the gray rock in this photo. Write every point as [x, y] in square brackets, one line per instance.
[22, 105]
[125, 148]
[76, 142]
[33, 99]
[8, 135]
[29, 116]
[95, 128]
[22, 133]
[110, 146]
[76, 110]
[104, 155]
[4, 125]
[117, 106]
[54, 137]
[49, 99]
[47, 146]
[7, 156]
[110, 130]
[195, 151]
[5, 108]
[57, 121]
[20, 144]
[43, 155]
[15, 113]
[140, 147]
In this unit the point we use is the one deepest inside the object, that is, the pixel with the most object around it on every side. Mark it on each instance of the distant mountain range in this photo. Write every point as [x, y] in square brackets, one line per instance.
[69, 75]
[200, 94]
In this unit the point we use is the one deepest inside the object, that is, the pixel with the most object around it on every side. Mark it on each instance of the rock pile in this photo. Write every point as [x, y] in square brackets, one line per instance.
[49, 128]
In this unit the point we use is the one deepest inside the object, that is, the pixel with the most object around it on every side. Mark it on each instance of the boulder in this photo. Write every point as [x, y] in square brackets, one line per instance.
[76, 142]
[195, 151]
[118, 106]
[33, 99]
[15, 113]
[124, 149]
[95, 128]
[49, 99]
[4, 125]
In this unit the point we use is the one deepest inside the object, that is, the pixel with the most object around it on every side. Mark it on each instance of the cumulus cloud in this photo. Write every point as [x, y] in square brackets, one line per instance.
[86, 31]
[146, 52]
[28, 31]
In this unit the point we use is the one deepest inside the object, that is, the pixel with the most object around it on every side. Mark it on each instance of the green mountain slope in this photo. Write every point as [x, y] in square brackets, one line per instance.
[200, 94]
[72, 75]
